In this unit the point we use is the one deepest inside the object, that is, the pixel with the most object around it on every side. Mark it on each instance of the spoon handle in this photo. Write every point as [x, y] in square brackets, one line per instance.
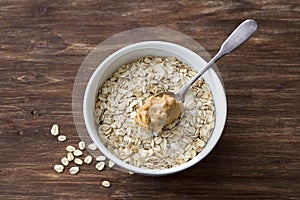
[243, 32]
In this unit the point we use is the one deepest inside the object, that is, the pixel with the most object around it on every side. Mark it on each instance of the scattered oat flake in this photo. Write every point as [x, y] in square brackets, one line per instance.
[130, 172]
[92, 146]
[70, 148]
[111, 164]
[64, 161]
[101, 158]
[61, 138]
[81, 145]
[74, 170]
[88, 159]
[77, 152]
[59, 168]
[106, 184]
[70, 156]
[78, 161]
[100, 166]
[54, 130]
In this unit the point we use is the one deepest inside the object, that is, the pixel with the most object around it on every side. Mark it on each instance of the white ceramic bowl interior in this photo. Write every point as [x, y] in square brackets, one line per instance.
[153, 48]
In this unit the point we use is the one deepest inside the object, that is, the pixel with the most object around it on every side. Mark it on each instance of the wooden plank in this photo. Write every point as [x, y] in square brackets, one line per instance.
[43, 43]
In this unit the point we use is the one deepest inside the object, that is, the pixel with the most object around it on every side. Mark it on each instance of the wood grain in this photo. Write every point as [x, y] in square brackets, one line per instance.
[43, 43]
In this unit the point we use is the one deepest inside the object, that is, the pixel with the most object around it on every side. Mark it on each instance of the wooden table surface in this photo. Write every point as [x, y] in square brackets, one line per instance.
[43, 43]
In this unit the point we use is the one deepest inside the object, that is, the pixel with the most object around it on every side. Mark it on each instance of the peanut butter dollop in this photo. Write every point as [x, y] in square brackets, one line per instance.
[158, 112]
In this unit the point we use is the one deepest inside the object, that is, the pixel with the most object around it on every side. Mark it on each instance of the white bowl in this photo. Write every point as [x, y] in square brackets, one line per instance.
[153, 48]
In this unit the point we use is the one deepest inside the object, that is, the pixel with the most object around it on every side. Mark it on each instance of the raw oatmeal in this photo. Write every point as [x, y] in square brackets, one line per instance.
[126, 91]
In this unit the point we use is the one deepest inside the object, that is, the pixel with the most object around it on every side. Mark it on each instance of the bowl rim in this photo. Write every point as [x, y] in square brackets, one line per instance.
[90, 92]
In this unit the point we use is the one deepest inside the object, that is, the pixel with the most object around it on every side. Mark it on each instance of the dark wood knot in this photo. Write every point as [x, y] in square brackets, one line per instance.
[41, 10]
[32, 113]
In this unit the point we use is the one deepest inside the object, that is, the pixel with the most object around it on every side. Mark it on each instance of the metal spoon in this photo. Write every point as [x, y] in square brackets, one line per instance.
[244, 31]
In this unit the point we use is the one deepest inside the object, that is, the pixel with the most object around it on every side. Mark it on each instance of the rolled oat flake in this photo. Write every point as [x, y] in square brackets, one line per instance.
[70, 148]
[88, 159]
[77, 152]
[74, 170]
[70, 156]
[61, 138]
[101, 158]
[65, 161]
[78, 161]
[92, 147]
[54, 130]
[81, 145]
[59, 168]
[100, 165]
[106, 184]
